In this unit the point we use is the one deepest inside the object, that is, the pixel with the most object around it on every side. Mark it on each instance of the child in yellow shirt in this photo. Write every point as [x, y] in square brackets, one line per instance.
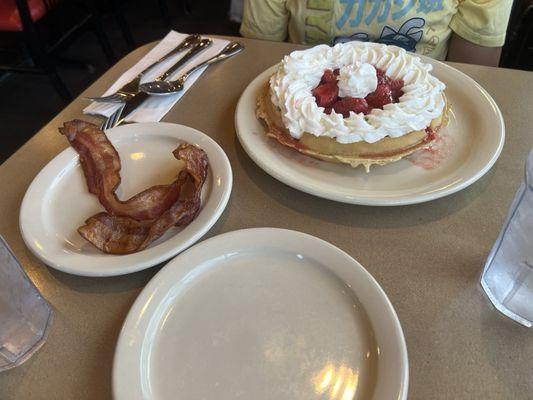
[464, 30]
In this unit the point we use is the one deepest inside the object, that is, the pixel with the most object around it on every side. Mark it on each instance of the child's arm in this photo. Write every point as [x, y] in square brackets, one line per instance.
[461, 50]
[479, 28]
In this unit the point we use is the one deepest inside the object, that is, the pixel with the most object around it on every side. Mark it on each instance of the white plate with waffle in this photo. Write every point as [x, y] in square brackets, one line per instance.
[473, 138]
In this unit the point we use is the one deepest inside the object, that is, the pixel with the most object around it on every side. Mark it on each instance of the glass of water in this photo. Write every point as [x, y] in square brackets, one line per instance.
[508, 275]
[24, 315]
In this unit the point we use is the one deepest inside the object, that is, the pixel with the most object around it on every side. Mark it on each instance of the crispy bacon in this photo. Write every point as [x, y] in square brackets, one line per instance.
[122, 235]
[101, 166]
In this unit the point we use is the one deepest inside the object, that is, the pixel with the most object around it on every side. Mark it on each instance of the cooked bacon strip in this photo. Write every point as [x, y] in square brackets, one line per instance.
[123, 235]
[101, 166]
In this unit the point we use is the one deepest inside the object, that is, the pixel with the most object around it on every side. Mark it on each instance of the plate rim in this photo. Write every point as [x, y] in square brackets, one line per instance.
[365, 200]
[68, 155]
[139, 318]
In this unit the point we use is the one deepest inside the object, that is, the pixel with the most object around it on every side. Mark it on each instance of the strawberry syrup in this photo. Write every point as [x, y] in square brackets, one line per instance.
[435, 154]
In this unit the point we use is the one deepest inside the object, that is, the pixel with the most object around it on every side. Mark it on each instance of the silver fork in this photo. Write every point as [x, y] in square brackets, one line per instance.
[162, 87]
[112, 120]
[132, 87]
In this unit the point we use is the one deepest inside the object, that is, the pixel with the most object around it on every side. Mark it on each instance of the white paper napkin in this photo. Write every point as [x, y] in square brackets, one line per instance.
[155, 107]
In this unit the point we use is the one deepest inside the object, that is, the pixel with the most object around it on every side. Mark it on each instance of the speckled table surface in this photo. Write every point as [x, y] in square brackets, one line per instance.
[427, 257]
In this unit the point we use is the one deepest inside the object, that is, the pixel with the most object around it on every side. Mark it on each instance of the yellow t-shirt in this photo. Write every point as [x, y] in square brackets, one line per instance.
[421, 26]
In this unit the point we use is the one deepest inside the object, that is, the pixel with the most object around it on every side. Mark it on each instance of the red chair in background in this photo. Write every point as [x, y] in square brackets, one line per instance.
[46, 27]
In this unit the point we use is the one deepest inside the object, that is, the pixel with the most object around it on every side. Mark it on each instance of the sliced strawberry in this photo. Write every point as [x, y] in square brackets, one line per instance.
[328, 110]
[382, 78]
[396, 84]
[336, 71]
[396, 87]
[347, 104]
[328, 77]
[379, 71]
[326, 94]
[430, 134]
[396, 94]
[381, 96]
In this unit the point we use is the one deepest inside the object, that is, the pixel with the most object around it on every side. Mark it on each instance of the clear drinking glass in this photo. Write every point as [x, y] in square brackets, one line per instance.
[508, 275]
[24, 315]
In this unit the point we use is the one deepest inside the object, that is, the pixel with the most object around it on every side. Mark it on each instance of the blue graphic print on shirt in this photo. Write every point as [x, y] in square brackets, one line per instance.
[381, 10]
[406, 37]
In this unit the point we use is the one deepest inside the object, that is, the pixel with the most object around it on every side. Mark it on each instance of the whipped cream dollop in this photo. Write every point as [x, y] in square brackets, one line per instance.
[300, 72]
[357, 80]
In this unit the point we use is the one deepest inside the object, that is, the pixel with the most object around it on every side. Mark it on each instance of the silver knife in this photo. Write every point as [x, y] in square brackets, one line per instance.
[132, 86]
[135, 101]
[188, 42]
[197, 48]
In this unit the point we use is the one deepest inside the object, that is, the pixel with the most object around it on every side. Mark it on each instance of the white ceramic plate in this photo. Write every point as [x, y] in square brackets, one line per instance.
[476, 128]
[259, 314]
[57, 201]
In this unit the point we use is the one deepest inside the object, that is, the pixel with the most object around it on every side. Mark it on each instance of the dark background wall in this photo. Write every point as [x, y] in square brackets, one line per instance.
[29, 101]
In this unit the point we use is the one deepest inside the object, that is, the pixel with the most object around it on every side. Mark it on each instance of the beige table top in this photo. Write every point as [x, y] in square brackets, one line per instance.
[427, 257]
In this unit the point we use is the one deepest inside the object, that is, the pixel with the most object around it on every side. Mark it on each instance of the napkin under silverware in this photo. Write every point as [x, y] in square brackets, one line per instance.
[155, 107]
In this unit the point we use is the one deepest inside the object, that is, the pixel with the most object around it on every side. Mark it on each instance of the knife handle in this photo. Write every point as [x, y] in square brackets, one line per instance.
[133, 85]
[189, 41]
[203, 44]
[131, 105]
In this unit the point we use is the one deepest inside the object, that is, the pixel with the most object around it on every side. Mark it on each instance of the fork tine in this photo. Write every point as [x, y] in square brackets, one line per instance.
[116, 116]
[113, 119]
[109, 121]
[105, 125]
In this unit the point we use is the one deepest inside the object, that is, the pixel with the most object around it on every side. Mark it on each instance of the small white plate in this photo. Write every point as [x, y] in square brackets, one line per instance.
[476, 127]
[259, 314]
[57, 201]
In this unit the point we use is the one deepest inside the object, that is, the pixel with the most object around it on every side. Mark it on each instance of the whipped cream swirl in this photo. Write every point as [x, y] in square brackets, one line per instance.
[301, 71]
[357, 80]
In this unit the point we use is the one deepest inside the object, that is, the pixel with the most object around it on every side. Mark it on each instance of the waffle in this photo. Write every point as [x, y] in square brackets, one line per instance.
[382, 152]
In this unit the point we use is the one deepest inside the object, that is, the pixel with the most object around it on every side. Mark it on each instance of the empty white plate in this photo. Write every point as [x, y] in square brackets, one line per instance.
[475, 134]
[261, 314]
[58, 202]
